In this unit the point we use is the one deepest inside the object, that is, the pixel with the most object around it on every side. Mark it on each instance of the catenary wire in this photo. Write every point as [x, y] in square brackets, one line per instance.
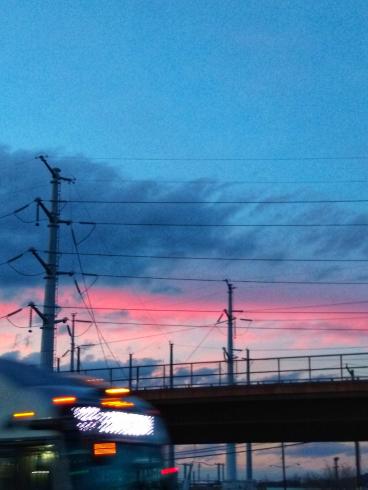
[240, 281]
[229, 182]
[184, 257]
[223, 159]
[89, 306]
[191, 310]
[224, 225]
[138, 324]
[267, 202]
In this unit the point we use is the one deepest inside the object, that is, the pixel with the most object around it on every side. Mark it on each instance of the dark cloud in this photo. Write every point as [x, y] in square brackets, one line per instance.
[25, 178]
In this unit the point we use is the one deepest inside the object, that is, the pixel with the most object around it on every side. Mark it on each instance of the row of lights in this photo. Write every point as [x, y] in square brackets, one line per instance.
[110, 402]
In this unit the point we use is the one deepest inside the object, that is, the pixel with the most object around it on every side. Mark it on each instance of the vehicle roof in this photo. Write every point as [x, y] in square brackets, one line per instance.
[26, 375]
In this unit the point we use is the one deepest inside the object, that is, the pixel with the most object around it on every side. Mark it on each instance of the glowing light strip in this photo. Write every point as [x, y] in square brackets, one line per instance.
[111, 422]
[61, 400]
[19, 415]
[104, 449]
[116, 403]
[169, 471]
[117, 391]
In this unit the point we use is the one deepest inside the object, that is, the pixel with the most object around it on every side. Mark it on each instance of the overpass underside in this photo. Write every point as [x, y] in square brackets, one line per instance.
[308, 412]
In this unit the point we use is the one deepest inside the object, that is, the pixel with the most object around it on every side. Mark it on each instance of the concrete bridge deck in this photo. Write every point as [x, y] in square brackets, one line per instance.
[315, 411]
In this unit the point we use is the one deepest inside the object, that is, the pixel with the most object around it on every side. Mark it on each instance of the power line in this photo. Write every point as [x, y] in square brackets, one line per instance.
[239, 327]
[223, 159]
[185, 257]
[231, 182]
[240, 281]
[12, 313]
[318, 329]
[181, 310]
[143, 336]
[12, 213]
[111, 308]
[318, 305]
[316, 201]
[225, 225]
[90, 308]
[201, 455]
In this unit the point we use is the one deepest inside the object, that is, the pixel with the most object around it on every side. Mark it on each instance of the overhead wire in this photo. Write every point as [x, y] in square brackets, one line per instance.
[16, 211]
[89, 306]
[185, 257]
[217, 280]
[231, 182]
[111, 322]
[239, 451]
[266, 202]
[225, 225]
[200, 343]
[224, 159]
[263, 310]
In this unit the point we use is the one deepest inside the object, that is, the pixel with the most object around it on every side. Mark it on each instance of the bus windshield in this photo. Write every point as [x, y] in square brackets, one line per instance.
[133, 467]
[74, 467]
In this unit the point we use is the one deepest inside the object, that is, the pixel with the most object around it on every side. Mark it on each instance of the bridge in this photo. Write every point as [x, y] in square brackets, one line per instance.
[295, 398]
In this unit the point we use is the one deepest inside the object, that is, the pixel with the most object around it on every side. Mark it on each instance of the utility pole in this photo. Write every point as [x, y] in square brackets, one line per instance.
[358, 465]
[336, 468]
[230, 447]
[171, 362]
[78, 359]
[283, 466]
[130, 370]
[356, 443]
[51, 266]
[71, 332]
[248, 452]
[230, 334]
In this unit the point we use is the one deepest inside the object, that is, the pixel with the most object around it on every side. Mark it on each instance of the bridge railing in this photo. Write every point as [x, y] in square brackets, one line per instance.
[334, 367]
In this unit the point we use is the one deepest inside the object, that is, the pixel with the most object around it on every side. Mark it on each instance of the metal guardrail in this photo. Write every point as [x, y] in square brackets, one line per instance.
[331, 367]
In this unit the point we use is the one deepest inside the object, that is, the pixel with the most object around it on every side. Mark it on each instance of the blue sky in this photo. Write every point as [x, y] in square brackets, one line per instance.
[185, 79]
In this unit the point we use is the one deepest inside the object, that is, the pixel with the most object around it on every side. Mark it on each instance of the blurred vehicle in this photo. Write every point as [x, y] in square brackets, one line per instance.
[72, 433]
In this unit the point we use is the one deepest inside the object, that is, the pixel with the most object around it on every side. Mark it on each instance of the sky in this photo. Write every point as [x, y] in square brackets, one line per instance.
[234, 120]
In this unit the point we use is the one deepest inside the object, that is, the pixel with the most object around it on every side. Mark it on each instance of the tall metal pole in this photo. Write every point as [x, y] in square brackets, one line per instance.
[130, 370]
[283, 466]
[72, 343]
[49, 309]
[51, 267]
[249, 454]
[171, 384]
[358, 465]
[78, 359]
[230, 447]
[249, 461]
[336, 468]
[171, 362]
[230, 335]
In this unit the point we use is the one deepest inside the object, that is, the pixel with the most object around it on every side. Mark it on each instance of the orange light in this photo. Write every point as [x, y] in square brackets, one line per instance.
[106, 402]
[117, 391]
[64, 400]
[104, 448]
[23, 415]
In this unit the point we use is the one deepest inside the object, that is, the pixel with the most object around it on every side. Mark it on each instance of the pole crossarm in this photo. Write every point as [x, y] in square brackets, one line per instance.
[50, 215]
[44, 264]
[39, 312]
[54, 171]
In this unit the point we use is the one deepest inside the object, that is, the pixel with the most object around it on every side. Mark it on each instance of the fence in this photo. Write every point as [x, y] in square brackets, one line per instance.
[333, 367]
